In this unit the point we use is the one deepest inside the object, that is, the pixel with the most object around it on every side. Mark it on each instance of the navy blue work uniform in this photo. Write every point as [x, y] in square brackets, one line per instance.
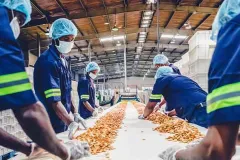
[15, 88]
[223, 101]
[184, 95]
[86, 92]
[175, 69]
[52, 83]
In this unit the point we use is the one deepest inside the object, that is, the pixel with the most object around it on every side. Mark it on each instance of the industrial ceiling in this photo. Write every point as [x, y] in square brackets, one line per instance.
[105, 26]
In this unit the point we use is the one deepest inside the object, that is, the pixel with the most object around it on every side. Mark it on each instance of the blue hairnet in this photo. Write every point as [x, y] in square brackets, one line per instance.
[165, 70]
[228, 10]
[160, 59]
[92, 66]
[23, 6]
[62, 27]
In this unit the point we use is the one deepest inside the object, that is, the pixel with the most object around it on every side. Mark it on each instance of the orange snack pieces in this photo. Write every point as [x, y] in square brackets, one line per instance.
[102, 135]
[182, 131]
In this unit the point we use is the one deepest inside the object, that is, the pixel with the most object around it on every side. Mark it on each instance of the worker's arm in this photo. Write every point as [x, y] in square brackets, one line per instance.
[160, 105]
[9, 141]
[149, 109]
[62, 113]
[36, 124]
[73, 108]
[88, 106]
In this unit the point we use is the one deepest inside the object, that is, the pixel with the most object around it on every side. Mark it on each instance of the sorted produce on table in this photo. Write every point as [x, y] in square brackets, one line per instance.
[182, 131]
[102, 135]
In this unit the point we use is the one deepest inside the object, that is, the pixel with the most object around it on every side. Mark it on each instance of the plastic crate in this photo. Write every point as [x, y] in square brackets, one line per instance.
[200, 52]
[7, 112]
[200, 38]
[201, 79]
[200, 66]
[8, 120]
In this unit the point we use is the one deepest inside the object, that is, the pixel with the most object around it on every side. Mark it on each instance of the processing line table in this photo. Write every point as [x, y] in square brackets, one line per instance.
[136, 140]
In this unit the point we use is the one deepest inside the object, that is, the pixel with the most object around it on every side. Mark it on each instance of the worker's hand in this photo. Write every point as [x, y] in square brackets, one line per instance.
[170, 153]
[95, 112]
[141, 116]
[100, 109]
[156, 108]
[77, 149]
[73, 128]
[79, 119]
[35, 150]
[194, 143]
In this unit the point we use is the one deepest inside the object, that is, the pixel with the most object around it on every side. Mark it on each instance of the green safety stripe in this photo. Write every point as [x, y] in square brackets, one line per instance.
[15, 89]
[52, 92]
[156, 96]
[53, 95]
[223, 97]
[13, 77]
[84, 96]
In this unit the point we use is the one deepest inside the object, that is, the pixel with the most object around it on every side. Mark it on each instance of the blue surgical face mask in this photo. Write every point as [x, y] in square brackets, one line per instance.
[65, 47]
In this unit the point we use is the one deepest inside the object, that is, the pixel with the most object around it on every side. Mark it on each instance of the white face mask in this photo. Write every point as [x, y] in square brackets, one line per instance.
[93, 76]
[15, 26]
[65, 47]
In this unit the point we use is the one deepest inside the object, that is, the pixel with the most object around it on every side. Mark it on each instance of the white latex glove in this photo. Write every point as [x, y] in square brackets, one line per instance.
[95, 112]
[79, 119]
[141, 116]
[100, 109]
[194, 143]
[73, 127]
[170, 153]
[77, 149]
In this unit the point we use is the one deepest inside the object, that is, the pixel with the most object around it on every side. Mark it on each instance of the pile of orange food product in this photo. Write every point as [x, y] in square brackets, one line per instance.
[138, 106]
[181, 130]
[102, 135]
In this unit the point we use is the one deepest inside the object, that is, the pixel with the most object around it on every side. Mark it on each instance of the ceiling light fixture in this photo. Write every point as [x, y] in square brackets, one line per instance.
[148, 13]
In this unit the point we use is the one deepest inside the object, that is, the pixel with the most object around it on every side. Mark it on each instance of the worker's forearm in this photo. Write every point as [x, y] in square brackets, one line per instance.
[149, 108]
[36, 124]
[62, 113]
[88, 106]
[9, 141]
[162, 102]
[73, 108]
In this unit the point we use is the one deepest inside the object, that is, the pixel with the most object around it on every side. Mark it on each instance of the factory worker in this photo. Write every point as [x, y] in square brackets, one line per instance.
[16, 91]
[52, 78]
[184, 96]
[223, 102]
[161, 60]
[86, 92]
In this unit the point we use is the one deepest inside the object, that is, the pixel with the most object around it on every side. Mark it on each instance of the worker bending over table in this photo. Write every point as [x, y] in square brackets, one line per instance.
[86, 92]
[185, 98]
[52, 78]
[16, 91]
[223, 101]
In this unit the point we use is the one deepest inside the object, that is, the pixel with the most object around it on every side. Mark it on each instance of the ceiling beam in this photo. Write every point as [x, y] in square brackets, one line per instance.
[169, 20]
[138, 7]
[185, 20]
[202, 21]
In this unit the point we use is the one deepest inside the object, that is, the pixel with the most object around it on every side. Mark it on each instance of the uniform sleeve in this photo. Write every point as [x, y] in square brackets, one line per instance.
[51, 82]
[83, 90]
[158, 88]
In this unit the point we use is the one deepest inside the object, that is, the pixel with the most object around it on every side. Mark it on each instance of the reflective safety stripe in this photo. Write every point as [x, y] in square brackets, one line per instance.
[53, 95]
[223, 97]
[14, 83]
[15, 89]
[52, 92]
[84, 96]
[13, 77]
[155, 96]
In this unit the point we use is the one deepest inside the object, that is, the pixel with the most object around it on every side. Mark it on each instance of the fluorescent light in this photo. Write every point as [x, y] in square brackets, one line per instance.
[106, 23]
[151, 1]
[144, 25]
[141, 38]
[172, 42]
[137, 56]
[148, 13]
[141, 41]
[118, 44]
[180, 37]
[167, 36]
[145, 21]
[147, 17]
[143, 33]
[121, 37]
